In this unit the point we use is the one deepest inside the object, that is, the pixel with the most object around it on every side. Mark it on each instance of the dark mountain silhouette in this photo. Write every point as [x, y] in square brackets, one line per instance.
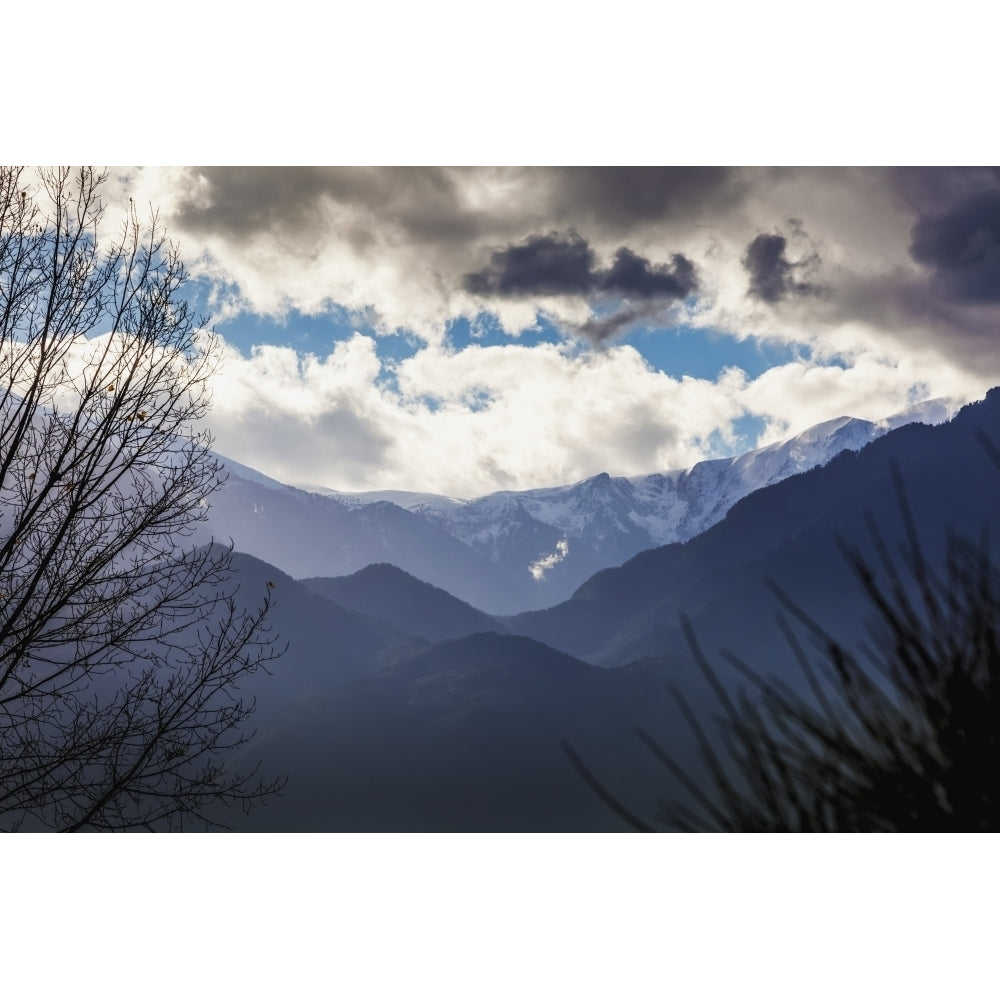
[464, 736]
[787, 533]
[399, 734]
[391, 594]
[326, 643]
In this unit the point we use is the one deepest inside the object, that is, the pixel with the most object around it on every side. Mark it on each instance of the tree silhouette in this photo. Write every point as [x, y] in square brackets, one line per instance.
[122, 646]
[902, 734]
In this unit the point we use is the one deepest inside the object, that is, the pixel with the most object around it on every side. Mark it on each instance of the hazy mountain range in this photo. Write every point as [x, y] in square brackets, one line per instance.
[399, 706]
[514, 551]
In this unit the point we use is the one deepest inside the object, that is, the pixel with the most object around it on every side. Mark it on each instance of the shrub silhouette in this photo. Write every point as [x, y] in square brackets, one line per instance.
[902, 734]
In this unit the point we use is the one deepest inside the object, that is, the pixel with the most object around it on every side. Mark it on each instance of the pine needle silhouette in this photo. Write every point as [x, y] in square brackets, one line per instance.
[901, 735]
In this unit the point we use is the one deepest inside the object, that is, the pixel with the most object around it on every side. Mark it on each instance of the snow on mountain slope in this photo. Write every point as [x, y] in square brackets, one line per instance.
[668, 507]
[512, 551]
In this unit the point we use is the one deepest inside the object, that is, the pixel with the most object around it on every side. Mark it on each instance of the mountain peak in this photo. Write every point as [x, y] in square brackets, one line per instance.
[385, 591]
[485, 548]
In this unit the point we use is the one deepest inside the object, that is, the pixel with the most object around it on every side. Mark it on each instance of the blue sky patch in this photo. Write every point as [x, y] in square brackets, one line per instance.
[704, 353]
[676, 351]
[486, 331]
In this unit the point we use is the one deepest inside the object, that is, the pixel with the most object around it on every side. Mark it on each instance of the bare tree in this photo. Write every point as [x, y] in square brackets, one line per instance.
[122, 646]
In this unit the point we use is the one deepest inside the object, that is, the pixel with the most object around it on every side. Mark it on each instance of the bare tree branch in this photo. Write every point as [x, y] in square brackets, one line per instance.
[122, 644]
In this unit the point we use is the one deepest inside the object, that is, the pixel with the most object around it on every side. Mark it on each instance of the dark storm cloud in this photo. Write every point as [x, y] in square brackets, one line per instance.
[245, 201]
[402, 241]
[428, 204]
[241, 201]
[563, 264]
[768, 267]
[772, 274]
[629, 195]
[557, 264]
[933, 190]
[961, 246]
[952, 217]
[631, 274]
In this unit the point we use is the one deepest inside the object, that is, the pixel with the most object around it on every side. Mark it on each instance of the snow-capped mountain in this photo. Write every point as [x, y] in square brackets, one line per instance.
[514, 551]
[793, 533]
[541, 544]
[389, 725]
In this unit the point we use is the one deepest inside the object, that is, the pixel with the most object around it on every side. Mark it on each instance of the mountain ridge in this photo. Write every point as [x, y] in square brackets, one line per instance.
[787, 532]
[387, 592]
[512, 551]
[464, 734]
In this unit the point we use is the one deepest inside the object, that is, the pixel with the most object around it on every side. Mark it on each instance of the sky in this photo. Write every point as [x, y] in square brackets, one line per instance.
[465, 330]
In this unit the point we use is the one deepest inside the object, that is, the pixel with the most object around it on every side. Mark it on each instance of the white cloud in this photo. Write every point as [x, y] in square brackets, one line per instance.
[871, 385]
[510, 416]
[397, 244]
[540, 567]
